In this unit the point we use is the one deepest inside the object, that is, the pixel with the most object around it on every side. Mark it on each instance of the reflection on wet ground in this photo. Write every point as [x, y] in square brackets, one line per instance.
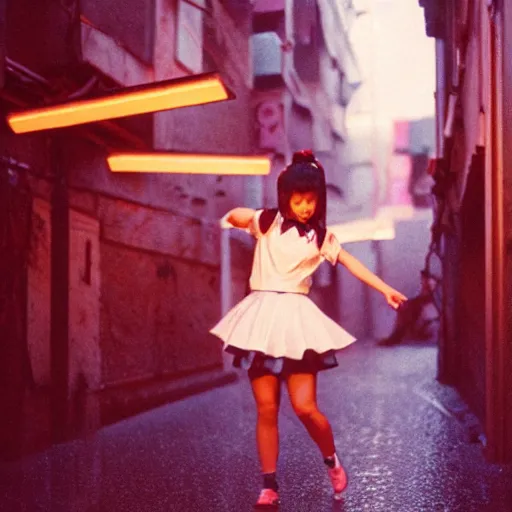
[403, 450]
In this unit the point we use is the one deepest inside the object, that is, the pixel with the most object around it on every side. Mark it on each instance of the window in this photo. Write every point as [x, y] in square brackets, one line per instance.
[189, 44]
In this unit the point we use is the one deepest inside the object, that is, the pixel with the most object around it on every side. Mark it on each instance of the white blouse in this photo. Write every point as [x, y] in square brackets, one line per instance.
[285, 262]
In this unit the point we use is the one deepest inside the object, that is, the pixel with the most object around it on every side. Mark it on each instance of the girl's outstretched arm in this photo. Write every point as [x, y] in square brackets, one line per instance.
[355, 267]
[240, 217]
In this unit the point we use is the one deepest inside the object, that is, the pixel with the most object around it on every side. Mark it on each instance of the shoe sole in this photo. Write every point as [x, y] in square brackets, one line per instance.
[266, 507]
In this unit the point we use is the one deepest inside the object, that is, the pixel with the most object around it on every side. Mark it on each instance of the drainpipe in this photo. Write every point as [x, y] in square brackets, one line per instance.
[225, 270]
[3, 48]
[59, 332]
[440, 106]
[495, 254]
[225, 279]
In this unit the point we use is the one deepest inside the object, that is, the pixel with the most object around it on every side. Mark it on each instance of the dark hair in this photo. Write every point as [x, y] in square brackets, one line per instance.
[304, 174]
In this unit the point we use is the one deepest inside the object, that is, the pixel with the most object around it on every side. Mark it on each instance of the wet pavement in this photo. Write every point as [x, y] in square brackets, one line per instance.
[403, 449]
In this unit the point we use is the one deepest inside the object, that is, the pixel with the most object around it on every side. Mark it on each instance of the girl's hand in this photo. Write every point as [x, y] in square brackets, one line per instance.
[393, 298]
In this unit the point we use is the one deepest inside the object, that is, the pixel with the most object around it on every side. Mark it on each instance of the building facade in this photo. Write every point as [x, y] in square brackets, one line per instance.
[119, 321]
[305, 73]
[473, 41]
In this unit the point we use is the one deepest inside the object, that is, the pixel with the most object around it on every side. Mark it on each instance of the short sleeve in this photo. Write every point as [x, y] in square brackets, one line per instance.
[252, 229]
[330, 249]
[254, 226]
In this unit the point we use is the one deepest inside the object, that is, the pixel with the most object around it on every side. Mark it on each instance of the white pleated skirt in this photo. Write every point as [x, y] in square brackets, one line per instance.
[279, 326]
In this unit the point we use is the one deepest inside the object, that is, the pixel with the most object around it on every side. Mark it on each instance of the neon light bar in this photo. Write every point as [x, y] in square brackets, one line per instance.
[189, 163]
[155, 97]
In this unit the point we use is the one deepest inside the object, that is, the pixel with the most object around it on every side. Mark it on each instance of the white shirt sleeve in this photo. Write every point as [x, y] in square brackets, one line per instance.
[253, 228]
[330, 249]
[254, 225]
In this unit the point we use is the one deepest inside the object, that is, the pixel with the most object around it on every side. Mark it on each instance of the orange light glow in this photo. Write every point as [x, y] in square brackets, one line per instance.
[189, 163]
[170, 94]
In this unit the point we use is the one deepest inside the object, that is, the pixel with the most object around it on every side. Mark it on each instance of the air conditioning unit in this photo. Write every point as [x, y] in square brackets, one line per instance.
[266, 57]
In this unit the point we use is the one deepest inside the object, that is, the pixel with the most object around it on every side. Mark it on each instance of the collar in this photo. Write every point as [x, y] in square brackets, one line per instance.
[302, 228]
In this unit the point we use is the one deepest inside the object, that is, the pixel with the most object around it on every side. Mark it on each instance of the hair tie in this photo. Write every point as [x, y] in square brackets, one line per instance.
[305, 155]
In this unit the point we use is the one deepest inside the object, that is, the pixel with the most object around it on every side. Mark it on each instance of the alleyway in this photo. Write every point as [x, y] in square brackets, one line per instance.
[403, 449]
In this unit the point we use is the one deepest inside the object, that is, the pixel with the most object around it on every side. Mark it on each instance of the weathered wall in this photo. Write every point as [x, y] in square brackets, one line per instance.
[470, 366]
[154, 313]
[39, 294]
[84, 302]
[84, 295]
[159, 233]
[226, 127]
[507, 165]
[462, 347]
[159, 274]
[136, 33]
[37, 35]
[19, 256]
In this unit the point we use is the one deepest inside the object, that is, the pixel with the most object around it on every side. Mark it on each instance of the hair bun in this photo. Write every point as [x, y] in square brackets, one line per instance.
[306, 155]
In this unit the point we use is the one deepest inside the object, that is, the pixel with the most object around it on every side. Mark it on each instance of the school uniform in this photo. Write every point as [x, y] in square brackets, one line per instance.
[277, 329]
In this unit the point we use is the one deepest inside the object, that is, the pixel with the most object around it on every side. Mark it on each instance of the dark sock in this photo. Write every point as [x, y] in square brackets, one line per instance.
[270, 481]
[330, 461]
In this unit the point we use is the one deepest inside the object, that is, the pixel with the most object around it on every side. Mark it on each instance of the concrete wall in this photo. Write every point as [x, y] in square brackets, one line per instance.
[37, 35]
[475, 353]
[469, 368]
[145, 250]
[84, 296]
[159, 234]
[363, 311]
[136, 33]
[39, 294]
[84, 299]
[155, 313]
[507, 163]
[159, 274]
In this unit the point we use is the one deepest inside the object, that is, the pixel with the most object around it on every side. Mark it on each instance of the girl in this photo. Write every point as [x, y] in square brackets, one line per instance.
[277, 333]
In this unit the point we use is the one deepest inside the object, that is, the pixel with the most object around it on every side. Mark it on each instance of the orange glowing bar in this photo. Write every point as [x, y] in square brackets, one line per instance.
[131, 101]
[189, 163]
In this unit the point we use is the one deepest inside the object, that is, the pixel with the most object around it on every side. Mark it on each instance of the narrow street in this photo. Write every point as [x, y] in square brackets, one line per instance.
[399, 432]
[131, 131]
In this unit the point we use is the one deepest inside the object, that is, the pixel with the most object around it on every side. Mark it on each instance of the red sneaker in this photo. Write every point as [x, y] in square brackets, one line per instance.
[268, 500]
[339, 480]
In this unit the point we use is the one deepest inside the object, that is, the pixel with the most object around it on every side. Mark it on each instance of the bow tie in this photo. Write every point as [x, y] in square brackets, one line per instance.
[301, 227]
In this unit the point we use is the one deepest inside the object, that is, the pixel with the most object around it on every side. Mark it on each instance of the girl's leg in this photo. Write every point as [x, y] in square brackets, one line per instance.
[302, 391]
[266, 391]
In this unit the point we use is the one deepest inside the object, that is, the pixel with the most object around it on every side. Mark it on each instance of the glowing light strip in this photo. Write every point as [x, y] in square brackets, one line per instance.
[132, 101]
[189, 163]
